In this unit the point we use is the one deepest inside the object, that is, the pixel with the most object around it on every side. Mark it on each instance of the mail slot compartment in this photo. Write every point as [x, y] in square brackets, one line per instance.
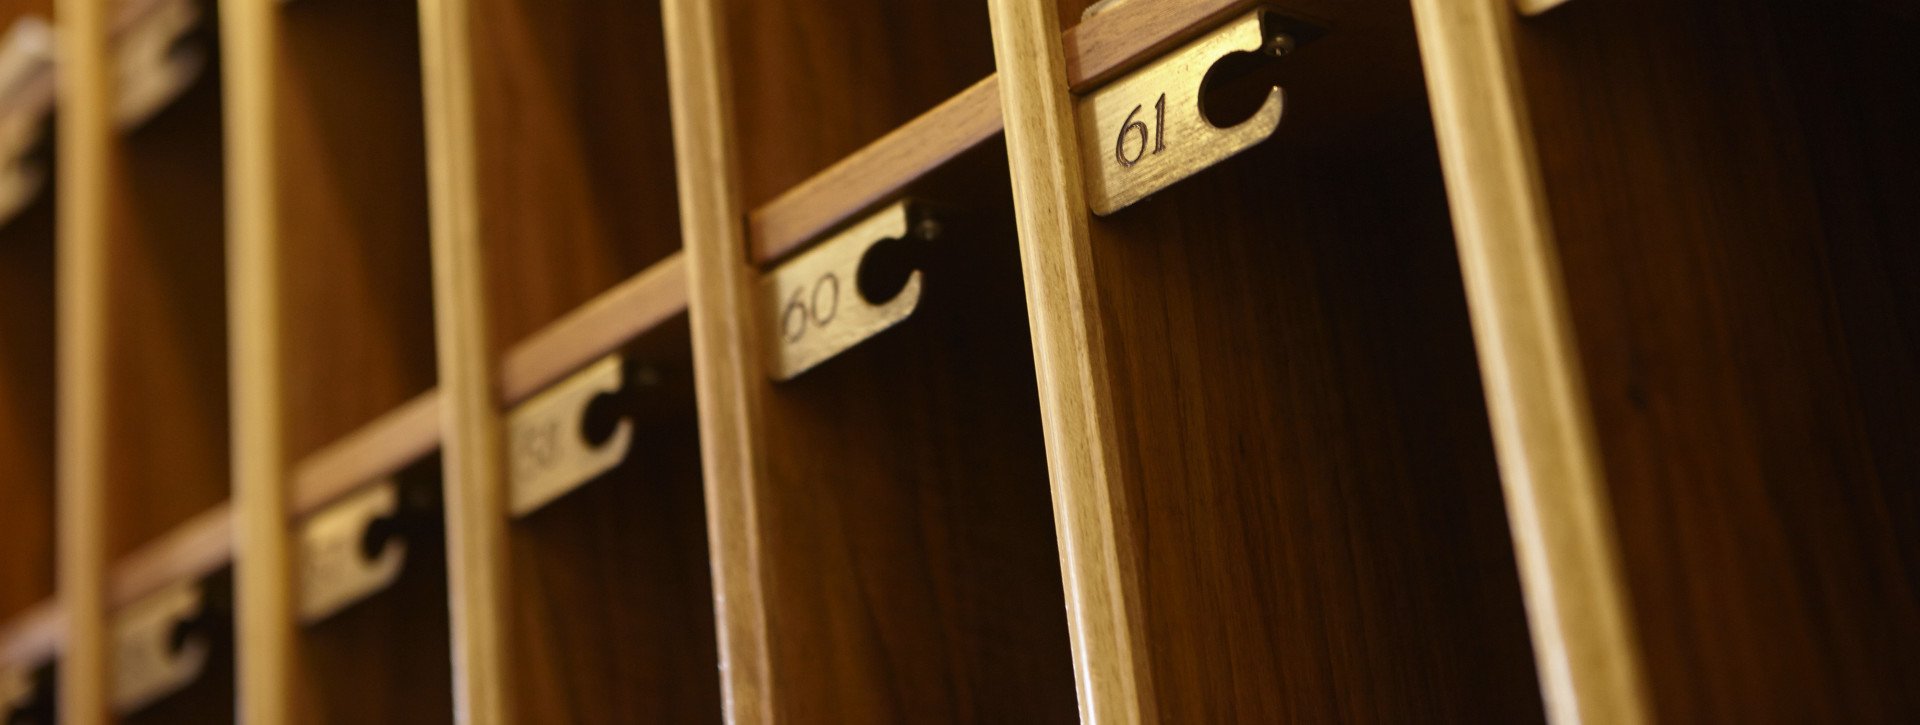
[1311, 502]
[356, 341]
[904, 525]
[1735, 237]
[612, 609]
[869, 67]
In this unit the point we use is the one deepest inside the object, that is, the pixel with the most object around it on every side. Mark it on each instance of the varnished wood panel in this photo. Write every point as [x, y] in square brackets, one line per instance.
[575, 155]
[26, 408]
[1730, 187]
[353, 216]
[907, 526]
[815, 80]
[612, 609]
[167, 355]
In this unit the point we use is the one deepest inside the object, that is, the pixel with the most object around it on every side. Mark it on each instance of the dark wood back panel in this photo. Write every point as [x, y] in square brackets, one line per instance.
[1732, 189]
[817, 79]
[1310, 482]
[576, 172]
[356, 280]
[166, 316]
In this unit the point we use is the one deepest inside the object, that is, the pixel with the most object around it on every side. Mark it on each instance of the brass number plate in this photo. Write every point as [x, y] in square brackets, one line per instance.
[812, 305]
[334, 569]
[25, 55]
[153, 68]
[1145, 131]
[551, 454]
[147, 666]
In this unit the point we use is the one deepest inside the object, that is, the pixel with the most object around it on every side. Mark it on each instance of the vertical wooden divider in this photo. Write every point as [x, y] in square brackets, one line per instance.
[475, 487]
[264, 629]
[1056, 252]
[1558, 510]
[719, 300]
[85, 131]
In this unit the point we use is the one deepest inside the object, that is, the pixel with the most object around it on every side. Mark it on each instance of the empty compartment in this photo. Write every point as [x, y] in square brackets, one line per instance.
[1731, 190]
[611, 609]
[1309, 489]
[356, 330]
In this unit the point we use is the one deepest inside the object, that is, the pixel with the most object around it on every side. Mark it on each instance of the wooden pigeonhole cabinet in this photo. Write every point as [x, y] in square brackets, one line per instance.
[876, 361]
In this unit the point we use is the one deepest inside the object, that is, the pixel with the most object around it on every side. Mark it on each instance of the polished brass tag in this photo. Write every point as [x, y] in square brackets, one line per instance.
[335, 569]
[26, 100]
[550, 451]
[813, 306]
[147, 664]
[1147, 130]
[153, 67]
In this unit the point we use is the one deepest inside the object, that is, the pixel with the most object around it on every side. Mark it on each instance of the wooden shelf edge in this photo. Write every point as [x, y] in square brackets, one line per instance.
[602, 325]
[1097, 50]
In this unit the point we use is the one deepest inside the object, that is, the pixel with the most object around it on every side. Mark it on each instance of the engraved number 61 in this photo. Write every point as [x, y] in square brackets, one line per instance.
[1131, 126]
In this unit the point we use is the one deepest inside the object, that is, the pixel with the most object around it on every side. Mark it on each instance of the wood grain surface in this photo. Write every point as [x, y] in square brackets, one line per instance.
[1730, 187]
[574, 154]
[350, 155]
[870, 66]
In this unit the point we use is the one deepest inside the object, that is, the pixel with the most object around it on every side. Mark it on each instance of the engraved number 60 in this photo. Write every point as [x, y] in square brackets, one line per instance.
[813, 308]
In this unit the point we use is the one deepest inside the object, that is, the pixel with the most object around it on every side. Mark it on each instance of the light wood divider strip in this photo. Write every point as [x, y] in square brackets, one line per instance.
[1557, 505]
[85, 123]
[609, 320]
[1104, 46]
[1050, 208]
[264, 617]
[720, 289]
[472, 449]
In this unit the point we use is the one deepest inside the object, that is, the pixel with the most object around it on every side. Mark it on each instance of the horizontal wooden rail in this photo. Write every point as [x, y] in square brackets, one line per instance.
[1098, 49]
